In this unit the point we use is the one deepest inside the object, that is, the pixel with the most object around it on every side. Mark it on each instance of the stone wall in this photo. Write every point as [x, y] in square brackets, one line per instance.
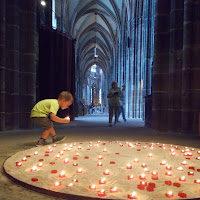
[17, 62]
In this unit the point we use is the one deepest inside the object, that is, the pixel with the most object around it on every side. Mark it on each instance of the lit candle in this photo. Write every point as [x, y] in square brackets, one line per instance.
[128, 166]
[99, 164]
[143, 165]
[154, 173]
[58, 156]
[100, 157]
[24, 159]
[70, 185]
[168, 167]
[172, 150]
[61, 153]
[75, 164]
[69, 149]
[34, 168]
[143, 183]
[54, 145]
[62, 174]
[198, 158]
[65, 145]
[101, 193]
[102, 181]
[184, 163]
[180, 168]
[146, 169]
[107, 172]
[40, 165]
[79, 171]
[197, 181]
[113, 189]
[191, 173]
[57, 184]
[92, 187]
[168, 173]
[136, 160]
[79, 147]
[132, 195]
[75, 180]
[74, 144]
[163, 162]
[150, 155]
[18, 164]
[65, 149]
[130, 177]
[144, 147]
[142, 177]
[98, 141]
[71, 146]
[51, 150]
[104, 150]
[36, 153]
[198, 152]
[169, 194]
[182, 178]
[66, 160]
[77, 154]
[173, 154]
[130, 145]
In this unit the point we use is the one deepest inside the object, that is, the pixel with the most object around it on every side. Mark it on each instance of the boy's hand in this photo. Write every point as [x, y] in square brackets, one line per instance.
[66, 120]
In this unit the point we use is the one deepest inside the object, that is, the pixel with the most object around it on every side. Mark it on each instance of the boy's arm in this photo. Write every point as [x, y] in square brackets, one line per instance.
[58, 119]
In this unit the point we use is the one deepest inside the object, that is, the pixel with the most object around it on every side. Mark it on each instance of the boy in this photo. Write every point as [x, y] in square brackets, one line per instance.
[44, 112]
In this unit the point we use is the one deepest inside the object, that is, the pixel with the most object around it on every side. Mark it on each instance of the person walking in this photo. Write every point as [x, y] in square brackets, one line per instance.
[122, 104]
[113, 102]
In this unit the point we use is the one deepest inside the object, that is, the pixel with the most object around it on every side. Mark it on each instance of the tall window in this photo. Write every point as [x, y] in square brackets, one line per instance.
[54, 20]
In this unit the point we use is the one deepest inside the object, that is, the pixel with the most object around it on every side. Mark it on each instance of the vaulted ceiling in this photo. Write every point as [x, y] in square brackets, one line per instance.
[95, 23]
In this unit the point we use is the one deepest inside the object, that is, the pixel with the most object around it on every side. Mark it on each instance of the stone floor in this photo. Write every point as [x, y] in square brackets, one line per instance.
[86, 128]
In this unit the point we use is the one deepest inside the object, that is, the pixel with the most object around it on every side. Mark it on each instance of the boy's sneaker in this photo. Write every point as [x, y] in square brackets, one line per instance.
[58, 139]
[41, 143]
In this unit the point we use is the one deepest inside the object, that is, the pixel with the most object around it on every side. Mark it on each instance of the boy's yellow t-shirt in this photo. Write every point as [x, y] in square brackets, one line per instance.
[45, 107]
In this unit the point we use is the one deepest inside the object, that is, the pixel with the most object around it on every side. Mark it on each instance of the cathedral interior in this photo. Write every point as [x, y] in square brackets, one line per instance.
[81, 46]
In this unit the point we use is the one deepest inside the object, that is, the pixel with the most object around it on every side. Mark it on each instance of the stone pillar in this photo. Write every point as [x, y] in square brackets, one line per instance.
[195, 70]
[12, 65]
[186, 117]
[2, 65]
[27, 60]
[175, 64]
[161, 66]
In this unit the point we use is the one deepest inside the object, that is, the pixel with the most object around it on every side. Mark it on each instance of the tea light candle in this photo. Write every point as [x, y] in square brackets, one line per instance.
[104, 150]
[54, 145]
[143, 165]
[142, 177]
[198, 158]
[70, 185]
[71, 146]
[184, 163]
[24, 159]
[40, 165]
[173, 154]
[58, 156]
[131, 177]
[49, 147]
[102, 181]
[65, 149]
[128, 166]
[132, 195]
[163, 162]
[34, 168]
[77, 154]
[79, 147]
[150, 155]
[75, 180]
[136, 160]
[18, 164]
[168, 173]
[168, 167]
[101, 193]
[92, 187]
[51, 150]
[57, 184]
[36, 153]
[75, 164]
[130, 145]
[180, 168]
[143, 183]
[98, 141]
[144, 147]
[107, 172]
[100, 157]
[182, 178]
[99, 164]
[69, 149]
[172, 150]
[79, 171]
[197, 181]
[169, 194]
[62, 174]
[66, 160]
[198, 152]
[146, 169]
[113, 190]
[154, 173]
[191, 173]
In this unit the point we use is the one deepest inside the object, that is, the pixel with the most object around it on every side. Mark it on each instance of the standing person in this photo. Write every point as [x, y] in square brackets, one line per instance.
[113, 102]
[122, 104]
[44, 113]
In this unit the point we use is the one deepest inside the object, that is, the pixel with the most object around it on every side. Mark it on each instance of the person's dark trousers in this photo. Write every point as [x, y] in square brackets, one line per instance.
[115, 110]
[121, 110]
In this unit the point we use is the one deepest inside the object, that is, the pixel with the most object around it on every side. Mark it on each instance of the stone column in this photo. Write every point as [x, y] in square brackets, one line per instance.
[2, 65]
[195, 70]
[27, 60]
[161, 66]
[186, 69]
[12, 65]
[175, 64]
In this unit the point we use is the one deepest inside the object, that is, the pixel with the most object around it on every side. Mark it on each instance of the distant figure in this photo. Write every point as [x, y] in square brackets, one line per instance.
[44, 113]
[113, 102]
[90, 107]
[122, 104]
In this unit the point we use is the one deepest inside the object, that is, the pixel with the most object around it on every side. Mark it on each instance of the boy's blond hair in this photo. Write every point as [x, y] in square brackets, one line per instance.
[67, 96]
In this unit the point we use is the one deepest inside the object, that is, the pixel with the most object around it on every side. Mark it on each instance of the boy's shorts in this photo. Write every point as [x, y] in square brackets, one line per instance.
[43, 122]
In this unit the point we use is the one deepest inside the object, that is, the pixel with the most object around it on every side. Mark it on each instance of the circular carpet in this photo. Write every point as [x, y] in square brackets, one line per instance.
[109, 170]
